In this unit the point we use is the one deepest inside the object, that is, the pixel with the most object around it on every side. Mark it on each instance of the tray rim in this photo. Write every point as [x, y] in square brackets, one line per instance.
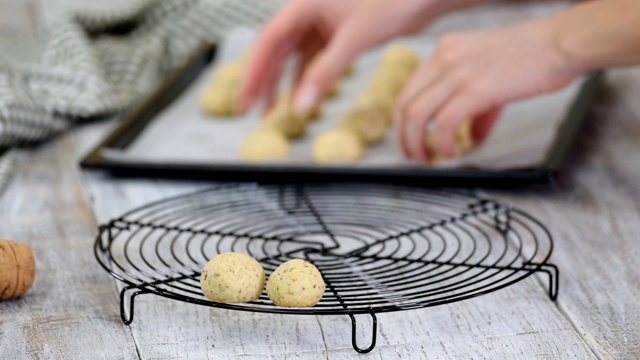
[140, 115]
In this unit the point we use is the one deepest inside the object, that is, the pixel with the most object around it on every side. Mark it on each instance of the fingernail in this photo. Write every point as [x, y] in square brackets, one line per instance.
[305, 99]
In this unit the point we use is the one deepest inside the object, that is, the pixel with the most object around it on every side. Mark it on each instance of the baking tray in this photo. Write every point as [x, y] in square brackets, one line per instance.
[134, 122]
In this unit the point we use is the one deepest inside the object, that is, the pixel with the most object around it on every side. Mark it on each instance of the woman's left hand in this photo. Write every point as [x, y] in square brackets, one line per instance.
[472, 76]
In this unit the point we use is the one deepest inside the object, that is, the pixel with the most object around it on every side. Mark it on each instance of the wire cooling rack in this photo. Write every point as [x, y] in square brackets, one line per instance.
[380, 248]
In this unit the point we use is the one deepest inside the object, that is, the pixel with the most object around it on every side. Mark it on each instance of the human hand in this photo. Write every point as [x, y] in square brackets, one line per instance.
[327, 35]
[471, 76]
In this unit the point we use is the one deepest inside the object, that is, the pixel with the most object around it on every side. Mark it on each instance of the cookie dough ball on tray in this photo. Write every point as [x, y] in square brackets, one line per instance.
[283, 118]
[295, 283]
[463, 138]
[220, 98]
[380, 101]
[340, 145]
[218, 101]
[463, 143]
[387, 81]
[369, 124]
[232, 278]
[229, 73]
[264, 144]
[333, 91]
[17, 269]
[400, 56]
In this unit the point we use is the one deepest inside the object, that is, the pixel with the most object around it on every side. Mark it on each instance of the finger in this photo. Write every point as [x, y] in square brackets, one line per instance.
[310, 47]
[272, 89]
[398, 120]
[423, 109]
[458, 109]
[349, 40]
[416, 140]
[272, 41]
[483, 124]
[271, 80]
[421, 78]
[426, 74]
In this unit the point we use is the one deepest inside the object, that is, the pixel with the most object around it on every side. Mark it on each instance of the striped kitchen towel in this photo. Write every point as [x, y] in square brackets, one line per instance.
[86, 66]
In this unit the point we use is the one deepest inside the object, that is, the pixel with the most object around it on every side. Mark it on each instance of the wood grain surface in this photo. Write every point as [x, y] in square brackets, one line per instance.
[72, 310]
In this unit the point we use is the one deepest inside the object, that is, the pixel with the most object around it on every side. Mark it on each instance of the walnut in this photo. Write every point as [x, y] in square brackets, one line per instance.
[17, 269]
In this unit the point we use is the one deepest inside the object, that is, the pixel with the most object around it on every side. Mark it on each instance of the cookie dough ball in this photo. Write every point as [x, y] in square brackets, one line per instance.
[369, 124]
[387, 81]
[229, 74]
[219, 101]
[463, 143]
[463, 138]
[284, 119]
[295, 283]
[378, 100]
[339, 145]
[17, 269]
[348, 71]
[285, 102]
[220, 98]
[333, 91]
[315, 113]
[264, 144]
[232, 278]
[400, 56]
[430, 146]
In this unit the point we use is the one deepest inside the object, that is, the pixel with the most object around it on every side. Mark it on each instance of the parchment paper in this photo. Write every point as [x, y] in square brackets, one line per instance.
[183, 134]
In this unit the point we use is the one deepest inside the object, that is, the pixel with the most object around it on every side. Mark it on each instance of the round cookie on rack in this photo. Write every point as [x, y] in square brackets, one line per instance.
[295, 283]
[232, 278]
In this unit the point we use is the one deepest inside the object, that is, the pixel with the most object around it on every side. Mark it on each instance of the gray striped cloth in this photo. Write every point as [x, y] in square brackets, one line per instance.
[86, 66]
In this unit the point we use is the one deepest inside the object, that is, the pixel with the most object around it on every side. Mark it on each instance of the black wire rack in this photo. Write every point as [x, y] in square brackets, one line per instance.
[380, 248]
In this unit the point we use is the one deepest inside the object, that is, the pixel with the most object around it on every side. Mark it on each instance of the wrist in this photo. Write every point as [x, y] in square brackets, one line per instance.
[597, 34]
[440, 7]
[563, 48]
[567, 45]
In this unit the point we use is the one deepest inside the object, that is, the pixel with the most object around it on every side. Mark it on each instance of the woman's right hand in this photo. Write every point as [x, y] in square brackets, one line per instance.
[327, 35]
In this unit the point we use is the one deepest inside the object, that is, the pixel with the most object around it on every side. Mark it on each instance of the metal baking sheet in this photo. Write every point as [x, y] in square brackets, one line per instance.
[168, 135]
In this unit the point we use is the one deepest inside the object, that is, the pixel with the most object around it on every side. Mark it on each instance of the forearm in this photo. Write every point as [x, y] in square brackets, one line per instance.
[597, 34]
[436, 8]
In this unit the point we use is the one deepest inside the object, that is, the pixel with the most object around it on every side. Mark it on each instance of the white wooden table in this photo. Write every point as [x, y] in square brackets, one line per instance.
[72, 310]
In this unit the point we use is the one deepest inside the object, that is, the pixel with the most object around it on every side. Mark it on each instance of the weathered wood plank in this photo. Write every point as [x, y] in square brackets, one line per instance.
[70, 312]
[594, 214]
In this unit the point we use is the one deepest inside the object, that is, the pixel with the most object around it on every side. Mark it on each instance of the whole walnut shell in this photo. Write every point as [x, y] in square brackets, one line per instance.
[17, 269]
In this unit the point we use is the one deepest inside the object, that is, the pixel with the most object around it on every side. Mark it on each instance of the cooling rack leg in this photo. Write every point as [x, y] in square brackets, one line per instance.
[554, 276]
[354, 342]
[123, 313]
